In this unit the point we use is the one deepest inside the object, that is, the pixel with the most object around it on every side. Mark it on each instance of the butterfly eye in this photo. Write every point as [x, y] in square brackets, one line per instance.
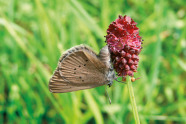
[111, 69]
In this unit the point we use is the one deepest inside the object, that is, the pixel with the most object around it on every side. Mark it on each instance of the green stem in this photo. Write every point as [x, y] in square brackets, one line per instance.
[132, 100]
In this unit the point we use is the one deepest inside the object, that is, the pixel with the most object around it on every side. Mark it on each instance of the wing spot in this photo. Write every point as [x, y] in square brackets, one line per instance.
[82, 80]
[80, 77]
[79, 65]
[86, 60]
[84, 64]
[74, 68]
[74, 72]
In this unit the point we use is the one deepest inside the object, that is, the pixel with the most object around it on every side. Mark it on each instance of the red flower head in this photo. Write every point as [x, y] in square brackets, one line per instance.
[125, 45]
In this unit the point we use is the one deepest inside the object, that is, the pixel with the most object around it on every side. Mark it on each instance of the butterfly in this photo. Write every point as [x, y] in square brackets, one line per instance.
[81, 68]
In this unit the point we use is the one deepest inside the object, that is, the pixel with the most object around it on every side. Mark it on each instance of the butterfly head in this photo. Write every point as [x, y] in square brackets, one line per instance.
[111, 76]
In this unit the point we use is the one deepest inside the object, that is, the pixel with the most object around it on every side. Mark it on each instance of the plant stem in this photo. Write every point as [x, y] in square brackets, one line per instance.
[132, 100]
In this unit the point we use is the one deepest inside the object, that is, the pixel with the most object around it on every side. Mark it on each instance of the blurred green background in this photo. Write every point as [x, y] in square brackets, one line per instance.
[34, 33]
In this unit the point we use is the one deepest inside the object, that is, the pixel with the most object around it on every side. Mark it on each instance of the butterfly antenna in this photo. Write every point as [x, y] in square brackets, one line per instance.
[108, 94]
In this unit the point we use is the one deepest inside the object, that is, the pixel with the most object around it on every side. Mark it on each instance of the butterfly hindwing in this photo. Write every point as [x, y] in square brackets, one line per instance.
[59, 85]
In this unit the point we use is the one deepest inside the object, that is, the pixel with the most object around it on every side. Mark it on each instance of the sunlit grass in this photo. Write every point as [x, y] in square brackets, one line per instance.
[34, 34]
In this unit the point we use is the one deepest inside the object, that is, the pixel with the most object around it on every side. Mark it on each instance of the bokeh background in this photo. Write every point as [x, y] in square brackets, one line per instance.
[34, 33]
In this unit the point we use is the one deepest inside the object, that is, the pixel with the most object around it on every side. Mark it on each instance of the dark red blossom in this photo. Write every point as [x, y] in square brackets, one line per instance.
[124, 44]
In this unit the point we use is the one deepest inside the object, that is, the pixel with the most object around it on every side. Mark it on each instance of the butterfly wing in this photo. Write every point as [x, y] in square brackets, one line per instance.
[79, 68]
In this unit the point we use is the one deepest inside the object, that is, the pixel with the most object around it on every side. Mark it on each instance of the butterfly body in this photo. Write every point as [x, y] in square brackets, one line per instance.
[80, 68]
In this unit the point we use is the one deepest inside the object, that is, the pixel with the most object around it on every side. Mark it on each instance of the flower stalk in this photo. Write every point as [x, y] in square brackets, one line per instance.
[132, 100]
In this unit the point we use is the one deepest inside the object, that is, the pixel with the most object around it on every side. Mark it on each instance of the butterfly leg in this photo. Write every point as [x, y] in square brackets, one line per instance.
[120, 81]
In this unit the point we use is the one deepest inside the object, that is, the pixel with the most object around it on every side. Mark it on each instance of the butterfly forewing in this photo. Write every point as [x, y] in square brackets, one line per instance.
[78, 69]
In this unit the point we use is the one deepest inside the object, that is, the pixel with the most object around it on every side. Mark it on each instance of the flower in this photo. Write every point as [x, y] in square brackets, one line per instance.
[124, 45]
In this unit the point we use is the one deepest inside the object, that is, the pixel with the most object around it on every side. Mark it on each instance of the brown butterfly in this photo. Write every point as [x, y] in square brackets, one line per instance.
[80, 68]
